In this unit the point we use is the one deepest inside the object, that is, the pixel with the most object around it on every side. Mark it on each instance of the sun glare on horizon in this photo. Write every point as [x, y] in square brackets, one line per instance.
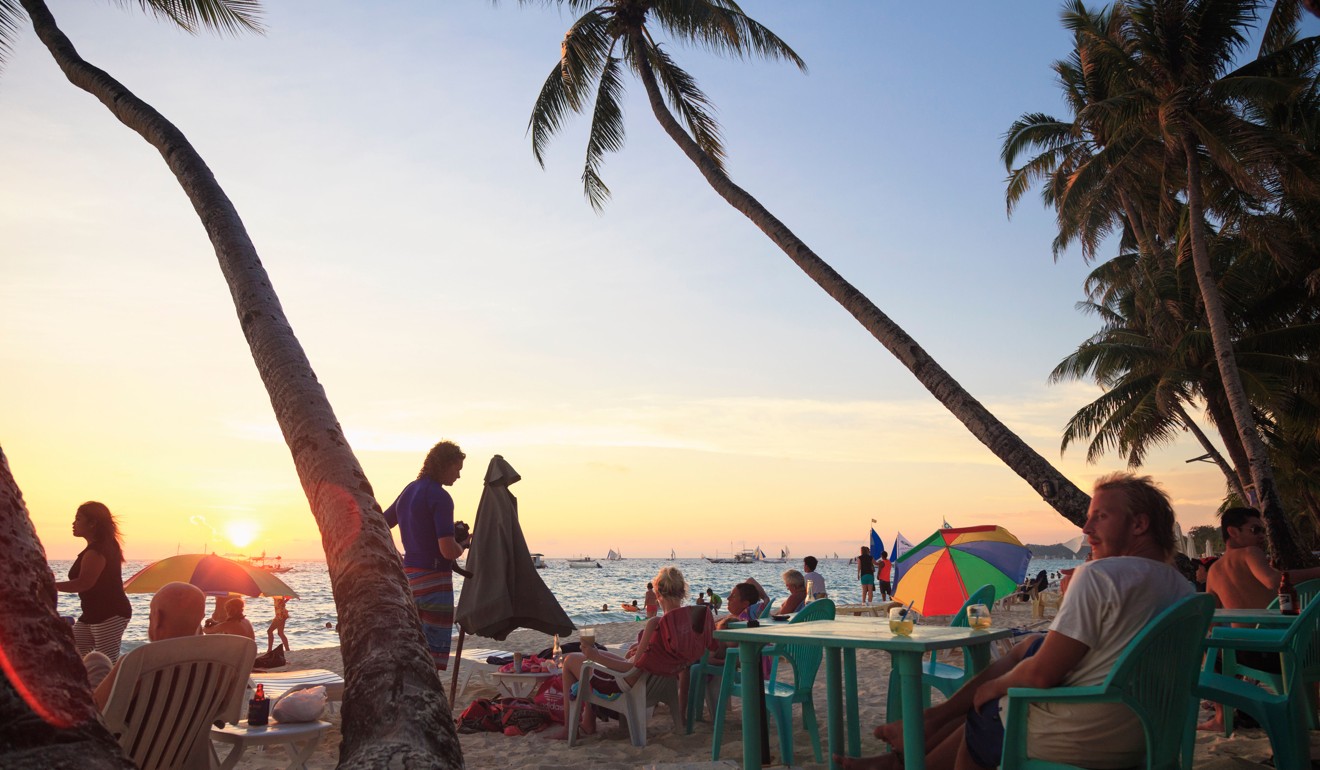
[242, 532]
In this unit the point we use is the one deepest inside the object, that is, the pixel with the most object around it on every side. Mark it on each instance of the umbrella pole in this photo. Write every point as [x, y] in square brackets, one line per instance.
[458, 661]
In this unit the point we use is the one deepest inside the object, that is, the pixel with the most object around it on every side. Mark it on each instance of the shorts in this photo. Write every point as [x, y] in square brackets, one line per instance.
[985, 729]
[868, 580]
[1261, 661]
[433, 593]
[884, 587]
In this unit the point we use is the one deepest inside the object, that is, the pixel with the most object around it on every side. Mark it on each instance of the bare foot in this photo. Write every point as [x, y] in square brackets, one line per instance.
[891, 733]
[1212, 725]
[878, 762]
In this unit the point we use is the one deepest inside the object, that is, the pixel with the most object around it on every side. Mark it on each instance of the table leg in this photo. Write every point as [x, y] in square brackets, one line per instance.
[231, 758]
[850, 702]
[980, 659]
[833, 704]
[908, 668]
[750, 655]
[301, 751]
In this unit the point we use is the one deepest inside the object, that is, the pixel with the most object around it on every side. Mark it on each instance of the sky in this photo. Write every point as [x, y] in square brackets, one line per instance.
[659, 373]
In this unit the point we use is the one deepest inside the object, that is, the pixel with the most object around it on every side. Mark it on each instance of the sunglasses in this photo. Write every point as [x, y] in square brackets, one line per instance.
[1256, 529]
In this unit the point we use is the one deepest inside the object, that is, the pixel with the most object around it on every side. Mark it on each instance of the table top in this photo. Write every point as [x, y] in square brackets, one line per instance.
[1268, 617]
[276, 731]
[865, 634]
[524, 674]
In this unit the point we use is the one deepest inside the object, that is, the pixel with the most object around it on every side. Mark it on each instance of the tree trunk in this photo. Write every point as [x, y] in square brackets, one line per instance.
[1054, 487]
[394, 711]
[1217, 405]
[47, 719]
[1230, 476]
[1282, 535]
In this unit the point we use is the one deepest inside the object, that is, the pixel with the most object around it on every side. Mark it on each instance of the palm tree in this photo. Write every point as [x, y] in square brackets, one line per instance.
[1164, 68]
[614, 34]
[395, 709]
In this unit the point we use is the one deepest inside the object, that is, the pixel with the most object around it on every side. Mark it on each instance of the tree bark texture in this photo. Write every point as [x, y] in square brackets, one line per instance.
[1230, 476]
[47, 719]
[395, 712]
[1282, 535]
[1054, 487]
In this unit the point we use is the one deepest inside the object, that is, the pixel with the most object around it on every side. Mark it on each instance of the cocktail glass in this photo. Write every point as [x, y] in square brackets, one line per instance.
[902, 620]
[978, 617]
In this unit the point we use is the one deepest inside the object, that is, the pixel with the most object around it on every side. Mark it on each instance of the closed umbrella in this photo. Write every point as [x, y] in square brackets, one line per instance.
[213, 574]
[941, 571]
[505, 592]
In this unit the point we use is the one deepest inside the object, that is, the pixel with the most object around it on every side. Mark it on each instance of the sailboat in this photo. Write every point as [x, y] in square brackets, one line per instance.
[613, 555]
[672, 554]
[783, 556]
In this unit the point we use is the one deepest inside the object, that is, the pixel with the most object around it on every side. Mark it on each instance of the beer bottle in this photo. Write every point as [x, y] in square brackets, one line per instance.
[1287, 596]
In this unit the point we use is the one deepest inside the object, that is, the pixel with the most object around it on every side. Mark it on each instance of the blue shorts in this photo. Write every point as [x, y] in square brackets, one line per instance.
[985, 730]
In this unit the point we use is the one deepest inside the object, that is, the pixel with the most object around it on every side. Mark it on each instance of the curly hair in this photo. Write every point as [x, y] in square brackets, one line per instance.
[670, 583]
[104, 528]
[1142, 496]
[441, 456]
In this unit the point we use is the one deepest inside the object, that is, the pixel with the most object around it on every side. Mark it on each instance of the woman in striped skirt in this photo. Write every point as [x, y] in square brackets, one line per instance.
[424, 514]
[98, 579]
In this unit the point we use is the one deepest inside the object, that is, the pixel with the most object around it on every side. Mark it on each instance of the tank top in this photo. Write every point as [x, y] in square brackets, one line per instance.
[866, 565]
[106, 598]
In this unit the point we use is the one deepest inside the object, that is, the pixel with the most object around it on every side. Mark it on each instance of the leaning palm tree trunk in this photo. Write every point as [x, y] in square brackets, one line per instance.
[46, 714]
[395, 712]
[1057, 490]
[1282, 536]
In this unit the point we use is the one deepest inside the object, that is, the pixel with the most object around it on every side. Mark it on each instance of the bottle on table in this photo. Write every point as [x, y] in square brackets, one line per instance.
[556, 653]
[1288, 603]
[259, 708]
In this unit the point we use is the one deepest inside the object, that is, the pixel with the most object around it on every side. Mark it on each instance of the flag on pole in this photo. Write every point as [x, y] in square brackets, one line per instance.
[947, 525]
[901, 546]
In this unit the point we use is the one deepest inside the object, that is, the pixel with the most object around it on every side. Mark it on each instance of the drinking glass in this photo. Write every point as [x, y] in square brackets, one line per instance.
[902, 620]
[978, 617]
[587, 637]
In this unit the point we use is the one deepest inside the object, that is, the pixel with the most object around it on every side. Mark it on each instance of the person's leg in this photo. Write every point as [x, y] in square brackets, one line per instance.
[270, 636]
[280, 630]
[433, 594]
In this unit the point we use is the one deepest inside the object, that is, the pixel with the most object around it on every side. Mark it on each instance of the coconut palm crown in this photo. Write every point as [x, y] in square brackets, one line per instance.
[617, 33]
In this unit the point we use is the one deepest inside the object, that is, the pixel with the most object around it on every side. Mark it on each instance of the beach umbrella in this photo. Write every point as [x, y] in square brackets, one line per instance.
[942, 570]
[213, 574]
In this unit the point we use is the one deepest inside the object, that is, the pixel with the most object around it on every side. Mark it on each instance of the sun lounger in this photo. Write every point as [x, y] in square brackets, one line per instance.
[276, 683]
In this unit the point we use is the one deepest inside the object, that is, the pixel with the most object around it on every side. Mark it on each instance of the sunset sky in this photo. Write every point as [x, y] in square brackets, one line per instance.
[660, 374]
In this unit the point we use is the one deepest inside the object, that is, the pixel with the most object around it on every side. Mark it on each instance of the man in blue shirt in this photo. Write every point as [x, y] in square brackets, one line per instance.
[424, 514]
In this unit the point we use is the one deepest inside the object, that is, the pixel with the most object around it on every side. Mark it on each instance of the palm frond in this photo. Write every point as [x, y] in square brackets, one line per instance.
[11, 19]
[548, 113]
[606, 132]
[722, 27]
[582, 55]
[224, 16]
[688, 100]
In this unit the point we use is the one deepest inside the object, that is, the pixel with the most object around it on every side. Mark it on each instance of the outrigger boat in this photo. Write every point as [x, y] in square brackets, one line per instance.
[742, 557]
[585, 562]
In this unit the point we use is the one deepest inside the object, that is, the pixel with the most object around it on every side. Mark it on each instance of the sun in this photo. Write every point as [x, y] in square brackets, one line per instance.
[241, 532]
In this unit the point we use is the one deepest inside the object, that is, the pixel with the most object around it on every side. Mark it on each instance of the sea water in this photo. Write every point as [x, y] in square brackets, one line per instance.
[581, 592]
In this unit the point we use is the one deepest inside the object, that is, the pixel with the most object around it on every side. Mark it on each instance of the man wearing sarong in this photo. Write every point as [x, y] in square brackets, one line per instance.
[424, 513]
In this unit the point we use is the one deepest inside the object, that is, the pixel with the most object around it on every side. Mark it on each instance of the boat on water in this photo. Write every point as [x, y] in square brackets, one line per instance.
[538, 560]
[613, 555]
[742, 557]
[585, 562]
[783, 556]
[262, 562]
[672, 554]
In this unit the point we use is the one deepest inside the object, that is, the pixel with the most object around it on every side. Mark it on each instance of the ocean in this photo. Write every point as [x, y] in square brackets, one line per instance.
[581, 592]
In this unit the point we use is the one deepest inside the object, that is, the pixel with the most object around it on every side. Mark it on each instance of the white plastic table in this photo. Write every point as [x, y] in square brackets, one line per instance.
[299, 739]
[520, 685]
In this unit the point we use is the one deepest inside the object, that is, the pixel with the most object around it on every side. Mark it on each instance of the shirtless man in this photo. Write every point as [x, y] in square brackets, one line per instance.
[1243, 579]
[1130, 528]
[177, 610]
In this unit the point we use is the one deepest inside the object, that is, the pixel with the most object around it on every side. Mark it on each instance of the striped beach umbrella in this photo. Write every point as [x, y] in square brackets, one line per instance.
[941, 571]
[213, 574]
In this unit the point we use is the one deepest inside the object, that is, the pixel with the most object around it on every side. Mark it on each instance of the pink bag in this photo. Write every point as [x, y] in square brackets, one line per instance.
[551, 695]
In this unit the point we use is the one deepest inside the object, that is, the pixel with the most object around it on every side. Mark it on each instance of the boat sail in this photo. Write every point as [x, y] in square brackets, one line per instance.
[672, 554]
[613, 555]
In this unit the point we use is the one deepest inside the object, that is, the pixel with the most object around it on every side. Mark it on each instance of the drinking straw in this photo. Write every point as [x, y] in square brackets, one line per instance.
[909, 607]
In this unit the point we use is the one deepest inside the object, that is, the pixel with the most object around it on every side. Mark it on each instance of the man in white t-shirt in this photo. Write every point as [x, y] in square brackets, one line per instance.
[815, 581]
[1110, 599]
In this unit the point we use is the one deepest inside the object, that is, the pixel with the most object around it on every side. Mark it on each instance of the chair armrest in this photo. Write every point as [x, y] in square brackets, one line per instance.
[591, 667]
[1090, 694]
[1262, 640]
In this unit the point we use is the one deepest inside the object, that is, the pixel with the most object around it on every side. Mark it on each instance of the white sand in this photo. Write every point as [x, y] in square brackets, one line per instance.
[611, 748]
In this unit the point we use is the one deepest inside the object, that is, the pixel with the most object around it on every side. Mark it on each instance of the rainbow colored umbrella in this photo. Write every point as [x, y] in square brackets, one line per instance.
[213, 574]
[942, 570]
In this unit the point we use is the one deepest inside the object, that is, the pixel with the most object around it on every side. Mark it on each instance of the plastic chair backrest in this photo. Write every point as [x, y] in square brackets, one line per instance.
[166, 694]
[1156, 672]
[806, 658]
[983, 595]
[765, 610]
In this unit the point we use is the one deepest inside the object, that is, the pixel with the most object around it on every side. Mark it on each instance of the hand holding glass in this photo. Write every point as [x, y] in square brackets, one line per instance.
[978, 617]
[901, 621]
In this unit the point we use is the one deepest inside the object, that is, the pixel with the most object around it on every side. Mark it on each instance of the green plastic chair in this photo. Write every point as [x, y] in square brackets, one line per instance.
[945, 677]
[1154, 676]
[1306, 591]
[780, 696]
[1284, 714]
[765, 611]
[702, 669]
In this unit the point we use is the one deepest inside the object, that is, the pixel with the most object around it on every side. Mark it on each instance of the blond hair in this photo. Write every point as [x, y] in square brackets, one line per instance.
[669, 583]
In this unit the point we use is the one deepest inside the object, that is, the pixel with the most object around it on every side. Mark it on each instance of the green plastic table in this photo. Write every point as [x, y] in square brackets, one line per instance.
[1260, 616]
[841, 639]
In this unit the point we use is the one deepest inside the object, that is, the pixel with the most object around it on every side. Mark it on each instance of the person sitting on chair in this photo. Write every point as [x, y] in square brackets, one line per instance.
[177, 610]
[797, 592]
[235, 622]
[1110, 600]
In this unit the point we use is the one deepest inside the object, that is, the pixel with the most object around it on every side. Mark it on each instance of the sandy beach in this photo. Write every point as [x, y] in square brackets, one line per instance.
[610, 747]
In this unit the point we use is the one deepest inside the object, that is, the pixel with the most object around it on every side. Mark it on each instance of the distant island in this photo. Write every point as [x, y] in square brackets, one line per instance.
[1057, 551]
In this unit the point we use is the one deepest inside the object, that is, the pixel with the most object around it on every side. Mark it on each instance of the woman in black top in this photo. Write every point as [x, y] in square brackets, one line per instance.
[866, 574]
[97, 577]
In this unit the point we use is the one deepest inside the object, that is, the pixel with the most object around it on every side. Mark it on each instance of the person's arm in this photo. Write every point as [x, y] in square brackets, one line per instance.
[90, 569]
[1058, 655]
[1269, 576]
[759, 590]
[102, 692]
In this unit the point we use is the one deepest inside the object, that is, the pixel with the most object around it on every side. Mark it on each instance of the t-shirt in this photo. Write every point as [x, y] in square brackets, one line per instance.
[884, 569]
[424, 513]
[1109, 601]
[815, 584]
